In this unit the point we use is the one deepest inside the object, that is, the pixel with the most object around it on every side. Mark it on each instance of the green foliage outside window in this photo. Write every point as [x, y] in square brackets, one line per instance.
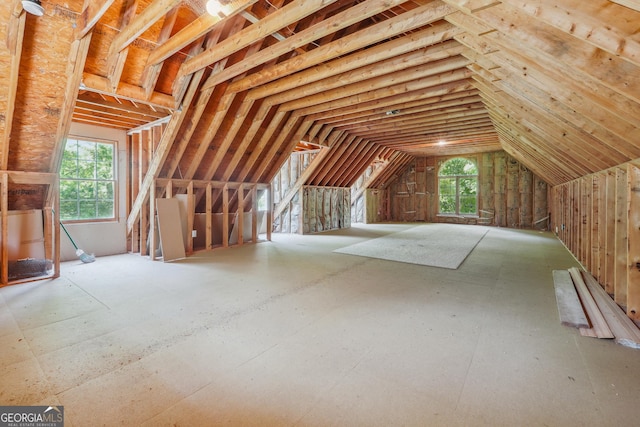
[87, 180]
[458, 187]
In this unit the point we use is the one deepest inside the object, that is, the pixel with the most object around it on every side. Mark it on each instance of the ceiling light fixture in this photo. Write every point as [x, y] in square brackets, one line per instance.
[392, 112]
[34, 7]
[442, 142]
[214, 8]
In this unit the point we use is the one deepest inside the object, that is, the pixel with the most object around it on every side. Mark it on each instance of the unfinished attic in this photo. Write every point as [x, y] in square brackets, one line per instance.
[140, 130]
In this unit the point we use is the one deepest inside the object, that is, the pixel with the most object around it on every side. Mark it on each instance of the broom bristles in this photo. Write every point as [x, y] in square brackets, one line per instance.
[85, 257]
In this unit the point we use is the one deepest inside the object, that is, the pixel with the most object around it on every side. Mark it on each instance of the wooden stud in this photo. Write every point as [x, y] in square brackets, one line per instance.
[225, 216]
[209, 218]
[4, 248]
[633, 239]
[621, 242]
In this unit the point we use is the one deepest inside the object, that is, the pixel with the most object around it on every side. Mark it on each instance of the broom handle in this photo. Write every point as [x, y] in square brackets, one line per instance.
[67, 233]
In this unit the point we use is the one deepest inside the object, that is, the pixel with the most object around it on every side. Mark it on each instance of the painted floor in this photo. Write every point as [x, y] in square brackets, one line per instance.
[288, 333]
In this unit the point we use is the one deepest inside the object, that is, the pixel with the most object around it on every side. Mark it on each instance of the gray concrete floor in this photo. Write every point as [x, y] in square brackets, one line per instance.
[287, 333]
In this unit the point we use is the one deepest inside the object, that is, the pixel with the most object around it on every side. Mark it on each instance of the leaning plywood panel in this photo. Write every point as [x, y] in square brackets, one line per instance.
[171, 240]
[25, 235]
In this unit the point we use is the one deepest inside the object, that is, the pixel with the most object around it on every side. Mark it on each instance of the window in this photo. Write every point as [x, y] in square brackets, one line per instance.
[87, 180]
[458, 187]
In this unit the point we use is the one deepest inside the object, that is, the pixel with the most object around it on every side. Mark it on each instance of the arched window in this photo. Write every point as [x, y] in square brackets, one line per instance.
[458, 187]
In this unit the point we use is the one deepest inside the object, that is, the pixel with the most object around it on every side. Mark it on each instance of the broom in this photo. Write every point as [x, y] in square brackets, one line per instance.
[84, 257]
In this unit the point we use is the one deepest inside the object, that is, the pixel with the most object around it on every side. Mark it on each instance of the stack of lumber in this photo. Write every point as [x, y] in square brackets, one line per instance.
[584, 304]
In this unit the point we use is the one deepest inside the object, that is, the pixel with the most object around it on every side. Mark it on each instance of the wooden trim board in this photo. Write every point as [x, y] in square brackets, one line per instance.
[598, 321]
[626, 332]
[569, 308]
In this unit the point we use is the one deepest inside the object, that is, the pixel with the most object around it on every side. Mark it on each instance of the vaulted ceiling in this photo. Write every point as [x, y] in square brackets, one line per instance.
[555, 83]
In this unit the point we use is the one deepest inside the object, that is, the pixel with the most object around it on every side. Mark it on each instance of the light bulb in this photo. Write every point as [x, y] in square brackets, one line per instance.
[213, 7]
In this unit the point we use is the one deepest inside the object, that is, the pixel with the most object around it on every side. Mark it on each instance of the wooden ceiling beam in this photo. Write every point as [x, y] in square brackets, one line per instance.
[99, 84]
[558, 47]
[346, 154]
[273, 22]
[472, 6]
[482, 132]
[432, 37]
[631, 4]
[583, 20]
[594, 102]
[549, 149]
[15, 37]
[141, 110]
[440, 132]
[423, 105]
[577, 146]
[359, 164]
[91, 14]
[117, 56]
[202, 25]
[327, 26]
[408, 118]
[432, 55]
[151, 73]
[436, 70]
[384, 104]
[592, 132]
[411, 20]
[335, 152]
[292, 132]
[133, 28]
[378, 95]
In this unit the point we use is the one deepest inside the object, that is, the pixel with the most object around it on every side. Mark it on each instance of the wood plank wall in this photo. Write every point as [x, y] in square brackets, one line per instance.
[597, 217]
[510, 195]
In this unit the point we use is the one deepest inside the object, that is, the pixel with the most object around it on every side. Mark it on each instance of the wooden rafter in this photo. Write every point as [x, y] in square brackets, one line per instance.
[91, 14]
[284, 16]
[15, 37]
[328, 26]
[196, 29]
[117, 54]
[413, 19]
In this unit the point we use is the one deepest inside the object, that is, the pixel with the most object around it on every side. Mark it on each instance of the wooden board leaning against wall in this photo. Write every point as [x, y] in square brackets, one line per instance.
[509, 195]
[598, 219]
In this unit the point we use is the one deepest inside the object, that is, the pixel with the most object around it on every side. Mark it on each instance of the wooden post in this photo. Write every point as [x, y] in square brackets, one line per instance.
[609, 282]
[621, 250]
[208, 238]
[269, 212]
[56, 227]
[633, 238]
[190, 214]
[254, 213]
[4, 207]
[225, 216]
[240, 217]
[152, 222]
